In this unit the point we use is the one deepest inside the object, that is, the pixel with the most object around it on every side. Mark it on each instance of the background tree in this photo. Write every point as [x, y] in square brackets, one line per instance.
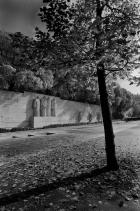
[136, 110]
[100, 33]
[122, 101]
[6, 75]
[33, 81]
[26, 69]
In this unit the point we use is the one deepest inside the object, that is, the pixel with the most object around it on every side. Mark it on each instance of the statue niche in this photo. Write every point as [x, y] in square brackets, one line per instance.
[43, 106]
[53, 107]
[48, 107]
[36, 106]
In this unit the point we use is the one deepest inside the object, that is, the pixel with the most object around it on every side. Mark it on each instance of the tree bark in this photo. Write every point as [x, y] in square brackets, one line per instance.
[107, 120]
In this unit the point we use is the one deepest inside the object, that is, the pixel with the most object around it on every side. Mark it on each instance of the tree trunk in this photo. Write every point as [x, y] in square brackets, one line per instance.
[108, 129]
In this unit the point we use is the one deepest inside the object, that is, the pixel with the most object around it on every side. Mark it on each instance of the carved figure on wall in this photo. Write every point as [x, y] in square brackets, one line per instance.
[90, 117]
[48, 106]
[99, 116]
[53, 107]
[79, 116]
[36, 106]
[43, 106]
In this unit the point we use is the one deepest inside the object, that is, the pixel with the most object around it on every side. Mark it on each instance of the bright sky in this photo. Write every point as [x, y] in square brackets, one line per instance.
[132, 88]
[21, 15]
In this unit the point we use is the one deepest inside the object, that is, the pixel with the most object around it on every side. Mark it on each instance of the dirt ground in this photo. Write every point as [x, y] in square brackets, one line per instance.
[65, 170]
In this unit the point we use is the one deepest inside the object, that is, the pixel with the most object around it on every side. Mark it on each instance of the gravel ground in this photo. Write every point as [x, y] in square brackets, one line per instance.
[45, 166]
[30, 173]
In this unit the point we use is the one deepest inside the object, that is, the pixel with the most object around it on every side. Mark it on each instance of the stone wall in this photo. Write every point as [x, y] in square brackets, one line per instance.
[16, 110]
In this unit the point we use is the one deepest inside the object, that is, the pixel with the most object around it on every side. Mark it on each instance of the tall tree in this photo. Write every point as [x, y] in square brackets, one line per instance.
[102, 34]
[72, 84]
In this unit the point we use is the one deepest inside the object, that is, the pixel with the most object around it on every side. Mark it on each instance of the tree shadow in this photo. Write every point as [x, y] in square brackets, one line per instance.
[52, 186]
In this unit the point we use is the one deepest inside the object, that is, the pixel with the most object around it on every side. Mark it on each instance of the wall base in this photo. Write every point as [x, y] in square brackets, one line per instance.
[39, 122]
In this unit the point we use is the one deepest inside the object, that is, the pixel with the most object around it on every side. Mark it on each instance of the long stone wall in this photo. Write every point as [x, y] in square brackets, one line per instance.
[17, 110]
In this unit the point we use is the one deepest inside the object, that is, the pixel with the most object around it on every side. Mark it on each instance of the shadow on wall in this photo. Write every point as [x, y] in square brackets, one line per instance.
[68, 111]
[12, 109]
[75, 112]
[28, 114]
[20, 107]
[8, 98]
